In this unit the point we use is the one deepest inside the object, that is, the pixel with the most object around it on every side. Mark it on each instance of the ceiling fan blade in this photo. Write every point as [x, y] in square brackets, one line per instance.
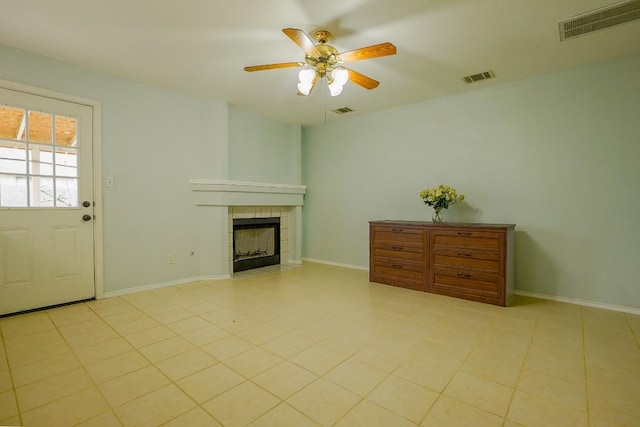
[313, 84]
[300, 38]
[375, 51]
[362, 80]
[274, 66]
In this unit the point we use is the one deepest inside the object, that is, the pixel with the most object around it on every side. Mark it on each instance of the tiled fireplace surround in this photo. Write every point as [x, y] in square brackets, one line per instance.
[220, 201]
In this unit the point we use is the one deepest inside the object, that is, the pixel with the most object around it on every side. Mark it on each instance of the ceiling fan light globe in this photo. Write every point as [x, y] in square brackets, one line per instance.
[335, 89]
[304, 88]
[306, 76]
[340, 76]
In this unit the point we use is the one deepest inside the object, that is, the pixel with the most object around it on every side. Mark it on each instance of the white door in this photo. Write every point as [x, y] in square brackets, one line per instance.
[46, 202]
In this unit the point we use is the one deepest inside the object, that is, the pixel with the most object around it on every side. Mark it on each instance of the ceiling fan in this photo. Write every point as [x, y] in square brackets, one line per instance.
[324, 60]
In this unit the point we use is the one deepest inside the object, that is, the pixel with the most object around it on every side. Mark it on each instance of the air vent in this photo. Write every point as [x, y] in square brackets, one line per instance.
[599, 19]
[480, 76]
[343, 110]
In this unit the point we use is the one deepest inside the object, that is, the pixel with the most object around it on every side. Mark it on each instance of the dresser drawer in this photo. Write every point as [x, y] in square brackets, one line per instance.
[466, 274]
[466, 262]
[472, 289]
[467, 239]
[399, 274]
[403, 253]
[397, 236]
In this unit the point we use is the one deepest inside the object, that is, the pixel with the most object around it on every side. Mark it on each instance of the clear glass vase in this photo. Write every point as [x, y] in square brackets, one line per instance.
[437, 216]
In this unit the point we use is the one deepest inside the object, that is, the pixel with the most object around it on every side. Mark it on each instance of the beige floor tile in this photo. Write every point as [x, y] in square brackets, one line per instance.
[102, 351]
[108, 419]
[261, 334]
[24, 343]
[252, 362]
[11, 330]
[284, 415]
[132, 385]
[347, 342]
[410, 400]
[238, 324]
[8, 405]
[228, 347]
[370, 414]
[116, 366]
[149, 336]
[210, 382]
[324, 401]
[203, 336]
[155, 408]
[318, 359]
[484, 394]
[87, 326]
[89, 339]
[556, 389]
[240, 405]
[356, 376]
[284, 379]
[451, 412]
[44, 368]
[382, 357]
[531, 410]
[173, 316]
[6, 382]
[287, 345]
[185, 364]
[194, 418]
[130, 321]
[165, 349]
[613, 396]
[42, 392]
[499, 363]
[70, 410]
[188, 325]
[426, 372]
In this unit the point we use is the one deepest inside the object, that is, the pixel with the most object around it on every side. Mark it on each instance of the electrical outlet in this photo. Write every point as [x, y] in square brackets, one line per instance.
[330, 245]
[171, 259]
[109, 182]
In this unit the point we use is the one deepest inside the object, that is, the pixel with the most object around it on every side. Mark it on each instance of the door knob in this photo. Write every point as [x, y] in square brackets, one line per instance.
[86, 203]
[86, 217]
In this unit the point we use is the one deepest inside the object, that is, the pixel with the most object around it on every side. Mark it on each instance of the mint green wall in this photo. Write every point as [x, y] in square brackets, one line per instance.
[153, 142]
[261, 150]
[557, 155]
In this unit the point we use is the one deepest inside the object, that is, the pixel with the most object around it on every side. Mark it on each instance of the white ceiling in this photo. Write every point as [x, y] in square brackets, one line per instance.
[199, 47]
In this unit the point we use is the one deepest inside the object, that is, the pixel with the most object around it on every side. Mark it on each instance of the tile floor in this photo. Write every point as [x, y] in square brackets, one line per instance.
[317, 346]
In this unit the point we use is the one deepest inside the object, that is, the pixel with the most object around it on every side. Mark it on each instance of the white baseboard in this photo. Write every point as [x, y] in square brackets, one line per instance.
[337, 264]
[152, 286]
[586, 303]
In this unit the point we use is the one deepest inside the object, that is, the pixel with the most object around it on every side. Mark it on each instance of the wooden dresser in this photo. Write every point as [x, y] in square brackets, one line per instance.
[470, 261]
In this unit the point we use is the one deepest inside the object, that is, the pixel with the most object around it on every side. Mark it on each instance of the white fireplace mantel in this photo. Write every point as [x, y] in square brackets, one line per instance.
[222, 192]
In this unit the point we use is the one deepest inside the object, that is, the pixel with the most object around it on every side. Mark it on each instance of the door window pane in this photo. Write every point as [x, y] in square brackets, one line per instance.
[12, 123]
[66, 131]
[13, 191]
[13, 157]
[40, 127]
[66, 192]
[41, 191]
[40, 160]
[66, 162]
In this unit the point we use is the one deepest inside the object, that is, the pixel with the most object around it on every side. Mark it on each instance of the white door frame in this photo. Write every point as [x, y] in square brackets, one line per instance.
[96, 115]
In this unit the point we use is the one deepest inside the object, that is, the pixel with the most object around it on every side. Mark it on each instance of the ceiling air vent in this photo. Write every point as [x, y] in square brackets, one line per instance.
[480, 76]
[343, 110]
[599, 19]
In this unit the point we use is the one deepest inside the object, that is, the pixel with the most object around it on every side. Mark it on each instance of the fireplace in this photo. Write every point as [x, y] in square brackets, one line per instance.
[256, 243]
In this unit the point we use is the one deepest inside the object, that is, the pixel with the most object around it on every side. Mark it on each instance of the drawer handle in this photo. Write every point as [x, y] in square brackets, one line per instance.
[398, 266]
[397, 230]
[396, 248]
[467, 254]
[466, 276]
[464, 233]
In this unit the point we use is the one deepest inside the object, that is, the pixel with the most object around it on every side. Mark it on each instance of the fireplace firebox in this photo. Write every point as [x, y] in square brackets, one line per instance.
[256, 243]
